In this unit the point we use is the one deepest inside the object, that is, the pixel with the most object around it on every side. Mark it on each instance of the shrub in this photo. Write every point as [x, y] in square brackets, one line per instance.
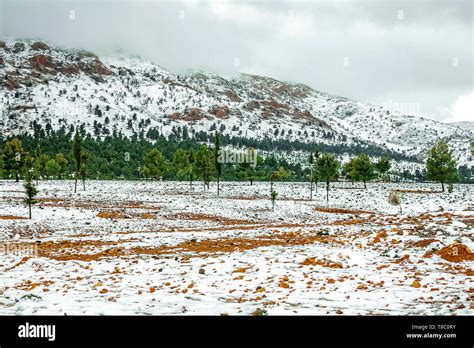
[395, 198]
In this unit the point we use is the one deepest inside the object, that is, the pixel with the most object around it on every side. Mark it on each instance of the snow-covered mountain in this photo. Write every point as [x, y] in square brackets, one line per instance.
[60, 87]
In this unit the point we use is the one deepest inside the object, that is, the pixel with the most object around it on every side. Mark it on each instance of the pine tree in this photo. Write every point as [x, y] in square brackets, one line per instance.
[191, 167]
[77, 155]
[273, 196]
[52, 168]
[180, 163]
[348, 168]
[155, 164]
[62, 162]
[40, 165]
[363, 169]
[440, 165]
[30, 193]
[14, 158]
[383, 165]
[278, 174]
[313, 174]
[83, 169]
[204, 165]
[328, 168]
[311, 178]
[248, 171]
[316, 175]
[37, 155]
[217, 163]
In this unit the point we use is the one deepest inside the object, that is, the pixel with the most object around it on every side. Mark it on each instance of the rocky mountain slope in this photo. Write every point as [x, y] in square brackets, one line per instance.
[58, 87]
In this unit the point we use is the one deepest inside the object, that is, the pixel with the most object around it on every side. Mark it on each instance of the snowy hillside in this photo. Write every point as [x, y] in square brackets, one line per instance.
[128, 94]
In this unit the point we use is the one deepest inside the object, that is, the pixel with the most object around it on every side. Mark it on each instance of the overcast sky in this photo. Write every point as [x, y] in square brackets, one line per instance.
[395, 53]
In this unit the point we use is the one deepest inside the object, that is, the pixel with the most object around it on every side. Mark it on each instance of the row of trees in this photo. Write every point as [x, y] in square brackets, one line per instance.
[323, 167]
[202, 162]
[440, 167]
[205, 164]
[326, 168]
[17, 161]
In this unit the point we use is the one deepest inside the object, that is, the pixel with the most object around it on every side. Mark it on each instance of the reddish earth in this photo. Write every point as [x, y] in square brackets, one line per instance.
[12, 84]
[342, 211]
[456, 252]
[232, 96]
[11, 217]
[41, 61]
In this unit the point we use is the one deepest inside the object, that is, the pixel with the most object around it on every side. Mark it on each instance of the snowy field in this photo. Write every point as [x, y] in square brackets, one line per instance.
[159, 248]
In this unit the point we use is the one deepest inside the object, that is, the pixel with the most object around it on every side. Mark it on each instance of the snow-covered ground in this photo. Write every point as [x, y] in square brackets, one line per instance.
[124, 247]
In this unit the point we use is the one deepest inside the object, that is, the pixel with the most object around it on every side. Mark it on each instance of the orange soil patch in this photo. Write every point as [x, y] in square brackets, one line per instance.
[456, 252]
[246, 198]
[416, 191]
[404, 258]
[71, 250]
[423, 243]
[241, 270]
[11, 217]
[253, 198]
[22, 261]
[342, 211]
[348, 222]
[208, 217]
[381, 235]
[74, 250]
[110, 215]
[63, 202]
[114, 214]
[29, 285]
[459, 268]
[228, 245]
[468, 220]
[324, 263]
[255, 226]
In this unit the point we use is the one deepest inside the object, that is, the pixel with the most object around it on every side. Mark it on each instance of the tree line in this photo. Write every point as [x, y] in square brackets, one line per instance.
[203, 163]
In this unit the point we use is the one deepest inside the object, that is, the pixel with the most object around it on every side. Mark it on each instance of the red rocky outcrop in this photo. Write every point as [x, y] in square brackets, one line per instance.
[95, 67]
[220, 112]
[12, 84]
[41, 61]
[232, 96]
[72, 69]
